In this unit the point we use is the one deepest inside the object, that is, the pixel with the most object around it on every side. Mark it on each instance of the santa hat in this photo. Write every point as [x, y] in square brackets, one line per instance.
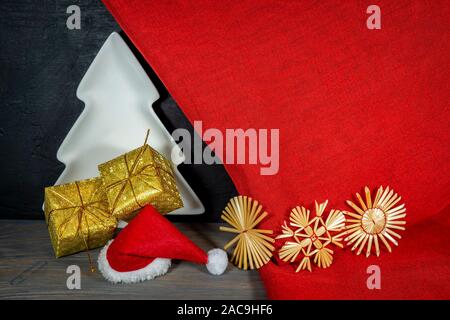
[144, 248]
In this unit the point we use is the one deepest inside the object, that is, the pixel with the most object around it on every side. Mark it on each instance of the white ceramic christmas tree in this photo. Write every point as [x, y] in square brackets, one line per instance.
[118, 97]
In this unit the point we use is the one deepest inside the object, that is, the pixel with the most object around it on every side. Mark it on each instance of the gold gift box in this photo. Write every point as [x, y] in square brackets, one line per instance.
[78, 216]
[138, 178]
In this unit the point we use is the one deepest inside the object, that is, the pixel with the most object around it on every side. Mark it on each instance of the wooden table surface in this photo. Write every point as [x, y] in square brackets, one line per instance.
[29, 270]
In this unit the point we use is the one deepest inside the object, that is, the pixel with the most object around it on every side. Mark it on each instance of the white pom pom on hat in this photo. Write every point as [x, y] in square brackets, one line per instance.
[217, 261]
[144, 248]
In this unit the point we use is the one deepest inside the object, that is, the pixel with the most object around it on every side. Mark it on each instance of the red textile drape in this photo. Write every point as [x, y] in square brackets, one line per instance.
[354, 107]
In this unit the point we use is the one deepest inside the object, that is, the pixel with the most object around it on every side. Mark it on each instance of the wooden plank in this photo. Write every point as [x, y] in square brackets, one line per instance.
[29, 270]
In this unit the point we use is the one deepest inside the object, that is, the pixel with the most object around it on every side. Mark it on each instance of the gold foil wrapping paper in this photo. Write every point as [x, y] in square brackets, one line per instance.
[78, 216]
[138, 178]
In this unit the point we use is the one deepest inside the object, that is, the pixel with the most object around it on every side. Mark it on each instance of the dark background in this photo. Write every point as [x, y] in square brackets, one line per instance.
[41, 64]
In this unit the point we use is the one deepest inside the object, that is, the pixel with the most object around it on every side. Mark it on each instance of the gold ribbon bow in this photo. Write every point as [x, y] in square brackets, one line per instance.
[136, 179]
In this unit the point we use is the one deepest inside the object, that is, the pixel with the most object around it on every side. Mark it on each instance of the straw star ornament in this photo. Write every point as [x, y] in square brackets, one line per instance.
[375, 220]
[311, 238]
[253, 248]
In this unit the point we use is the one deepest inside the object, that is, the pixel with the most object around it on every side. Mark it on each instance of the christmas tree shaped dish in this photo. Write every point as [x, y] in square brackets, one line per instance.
[118, 97]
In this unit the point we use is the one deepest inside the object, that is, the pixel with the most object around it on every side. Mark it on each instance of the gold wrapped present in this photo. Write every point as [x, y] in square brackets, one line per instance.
[78, 216]
[138, 178]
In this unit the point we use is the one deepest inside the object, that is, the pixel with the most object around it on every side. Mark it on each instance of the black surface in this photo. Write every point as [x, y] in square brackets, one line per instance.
[41, 64]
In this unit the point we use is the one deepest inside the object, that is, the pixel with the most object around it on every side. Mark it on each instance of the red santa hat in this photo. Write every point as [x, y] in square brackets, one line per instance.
[144, 248]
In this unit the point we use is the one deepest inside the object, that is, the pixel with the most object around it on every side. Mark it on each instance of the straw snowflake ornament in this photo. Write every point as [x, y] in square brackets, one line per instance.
[253, 248]
[311, 238]
[374, 221]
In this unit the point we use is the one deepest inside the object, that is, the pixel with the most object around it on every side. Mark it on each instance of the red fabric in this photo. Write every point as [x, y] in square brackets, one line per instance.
[149, 235]
[354, 106]
[417, 269]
